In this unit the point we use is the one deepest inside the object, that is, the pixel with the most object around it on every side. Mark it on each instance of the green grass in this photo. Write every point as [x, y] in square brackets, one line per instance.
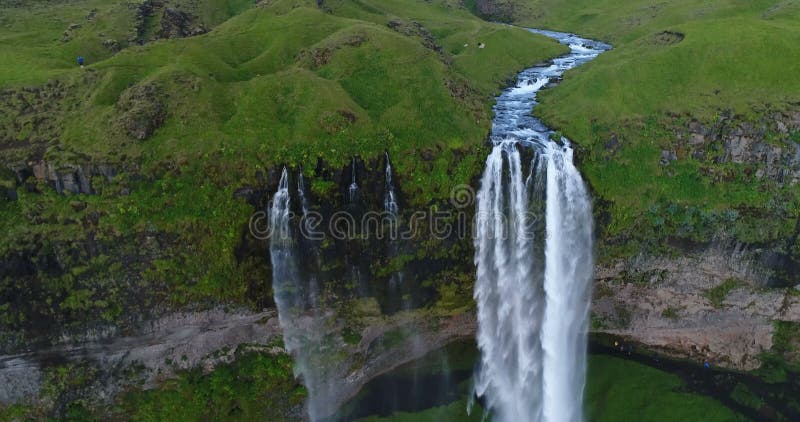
[718, 293]
[733, 59]
[619, 390]
[455, 411]
[255, 387]
[33, 47]
[275, 83]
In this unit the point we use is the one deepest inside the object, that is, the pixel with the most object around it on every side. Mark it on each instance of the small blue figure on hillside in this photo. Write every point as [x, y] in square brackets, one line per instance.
[706, 365]
[80, 61]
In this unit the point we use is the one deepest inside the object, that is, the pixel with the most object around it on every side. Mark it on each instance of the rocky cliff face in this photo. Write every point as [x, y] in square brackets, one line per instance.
[768, 148]
[160, 349]
[706, 306]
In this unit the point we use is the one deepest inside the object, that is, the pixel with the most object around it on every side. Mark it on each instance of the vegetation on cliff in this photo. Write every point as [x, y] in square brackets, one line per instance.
[119, 179]
[683, 124]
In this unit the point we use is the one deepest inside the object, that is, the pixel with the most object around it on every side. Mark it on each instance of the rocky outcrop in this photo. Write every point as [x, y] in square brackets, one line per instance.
[415, 29]
[173, 20]
[179, 24]
[322, 54]
[32, 117]
[207, 339]
[501, 10]
[171, 343]
[707, 306]
[768, 148]
[71, 178]
[141, 110]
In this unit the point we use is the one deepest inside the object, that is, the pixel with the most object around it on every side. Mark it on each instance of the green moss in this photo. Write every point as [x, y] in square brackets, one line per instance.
[670, 313]
[633, 94]
[351, 336]
[255, 387]
[455, 411]
[741, 394]
[784, 356]
[620, 390]
[718, 293]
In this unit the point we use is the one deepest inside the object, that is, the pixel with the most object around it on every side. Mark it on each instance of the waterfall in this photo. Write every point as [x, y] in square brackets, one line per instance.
[313, 259]
[301, 192]
[353, 189]
[391, 207]
[302, 327]
[390, 197]
[533, 253]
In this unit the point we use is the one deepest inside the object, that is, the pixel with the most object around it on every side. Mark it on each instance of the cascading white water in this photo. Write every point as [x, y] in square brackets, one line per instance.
[391, 208]
[353, 189]
[301, 192]
[390, 197]
[301, 324]
[533, 253]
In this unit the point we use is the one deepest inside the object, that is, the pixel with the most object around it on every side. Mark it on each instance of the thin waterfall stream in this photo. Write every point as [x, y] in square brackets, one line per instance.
[533, 253]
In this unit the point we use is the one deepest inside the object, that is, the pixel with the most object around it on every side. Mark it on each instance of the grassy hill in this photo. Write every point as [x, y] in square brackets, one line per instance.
[676, 66]
[186, 121]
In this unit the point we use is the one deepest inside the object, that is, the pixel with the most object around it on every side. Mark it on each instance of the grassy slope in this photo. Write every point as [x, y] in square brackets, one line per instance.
[36, 42]
[247, 95]
[736, 56]
[620, 390]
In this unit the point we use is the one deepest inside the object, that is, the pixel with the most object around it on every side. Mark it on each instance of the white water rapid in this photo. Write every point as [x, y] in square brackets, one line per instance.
[533, 253]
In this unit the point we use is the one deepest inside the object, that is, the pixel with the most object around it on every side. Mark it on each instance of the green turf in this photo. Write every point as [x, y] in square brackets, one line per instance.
[619, 390]
[734, 60]
[281, 82]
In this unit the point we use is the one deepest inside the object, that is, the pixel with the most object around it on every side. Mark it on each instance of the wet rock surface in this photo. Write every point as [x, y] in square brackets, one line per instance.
[174, 342]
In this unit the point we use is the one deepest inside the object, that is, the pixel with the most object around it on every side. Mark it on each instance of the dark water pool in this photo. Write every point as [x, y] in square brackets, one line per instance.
[620, 386]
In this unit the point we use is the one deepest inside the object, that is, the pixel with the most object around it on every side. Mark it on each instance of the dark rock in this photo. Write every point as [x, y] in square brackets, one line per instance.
[178, 24]
[243, 193]
[667, 157]
[112, 45]
[70, 183]
[668, 37]
[321, 56]
[174, 23]
[78, 205]
[9, 194]
[415, 29]
[496, 10]
[612, 144]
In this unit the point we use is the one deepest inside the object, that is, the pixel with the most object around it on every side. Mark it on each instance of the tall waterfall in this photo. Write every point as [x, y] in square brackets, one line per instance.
[295, 298]
[533, 253]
